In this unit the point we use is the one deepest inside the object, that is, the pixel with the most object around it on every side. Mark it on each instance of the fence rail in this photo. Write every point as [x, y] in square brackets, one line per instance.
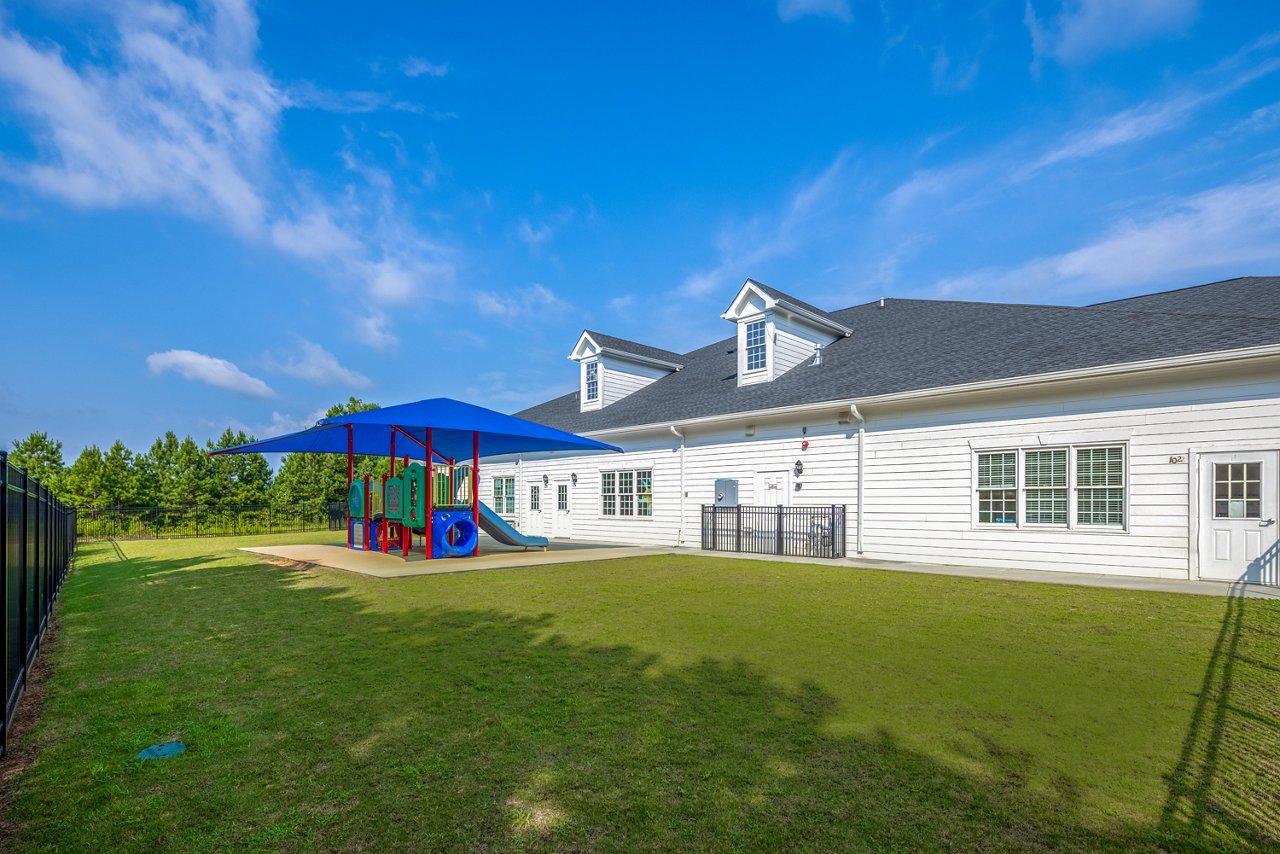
[140, 523]
[816, 531]
[37, 541]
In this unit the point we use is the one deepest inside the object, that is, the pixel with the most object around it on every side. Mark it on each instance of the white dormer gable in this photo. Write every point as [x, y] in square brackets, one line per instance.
[611, 368]
[776, 333]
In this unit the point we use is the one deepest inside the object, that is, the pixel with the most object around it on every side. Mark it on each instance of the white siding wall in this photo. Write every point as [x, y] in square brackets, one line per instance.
[794, 342]
[919, 482]
[920, 490]
[619, 378]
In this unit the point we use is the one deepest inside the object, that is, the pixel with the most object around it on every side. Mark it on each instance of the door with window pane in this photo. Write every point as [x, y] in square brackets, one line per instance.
[1238, 517]
[561, 520]
[535, 523]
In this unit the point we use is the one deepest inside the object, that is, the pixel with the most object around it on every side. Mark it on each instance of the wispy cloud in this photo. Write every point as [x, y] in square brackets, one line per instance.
[1086, 29]
[209, 370]
[185, 119]
[371, 330]
[416, 66]
[1233, 226]
[742, 247]
[531, 236]
[535, 300]
[175, 111]
[317, 365]
[791, 10]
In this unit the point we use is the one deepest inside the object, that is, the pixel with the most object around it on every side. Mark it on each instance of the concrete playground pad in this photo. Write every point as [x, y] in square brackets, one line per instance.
[492, 556]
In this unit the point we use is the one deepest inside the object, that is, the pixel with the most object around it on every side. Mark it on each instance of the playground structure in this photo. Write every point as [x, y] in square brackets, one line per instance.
[436, 500]
[384, 514]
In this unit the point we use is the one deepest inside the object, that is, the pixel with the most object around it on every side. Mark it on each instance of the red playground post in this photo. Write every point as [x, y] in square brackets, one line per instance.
[350, 474]
[475, 487]
[431, 498]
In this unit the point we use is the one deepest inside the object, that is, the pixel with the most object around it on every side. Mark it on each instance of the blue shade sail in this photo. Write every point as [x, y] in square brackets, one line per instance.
[452, 423]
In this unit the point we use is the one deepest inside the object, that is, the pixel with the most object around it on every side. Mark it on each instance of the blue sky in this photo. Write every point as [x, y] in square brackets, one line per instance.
[235, 214]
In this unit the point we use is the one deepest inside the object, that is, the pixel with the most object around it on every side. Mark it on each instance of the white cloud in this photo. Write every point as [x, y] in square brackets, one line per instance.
[519, 303]
[371, 330]
[416, 66]
[1235, 227]
[745, 246]
[790, 10]
[279, 424]
[209, 370]
[184, 120]
[1086, 29]
[174, 110]
[622, 304]
[315, 364]
[533, 237]
[1122, 128]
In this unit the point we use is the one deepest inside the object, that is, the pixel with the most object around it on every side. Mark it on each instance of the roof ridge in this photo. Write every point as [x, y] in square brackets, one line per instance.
[1176, 290]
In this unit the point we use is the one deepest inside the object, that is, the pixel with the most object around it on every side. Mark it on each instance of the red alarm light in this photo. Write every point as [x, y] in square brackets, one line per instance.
[804, 446]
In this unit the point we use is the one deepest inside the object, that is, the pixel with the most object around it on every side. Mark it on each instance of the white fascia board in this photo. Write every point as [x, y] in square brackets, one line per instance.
[1192, 360]
[643, 360]
[578, 353]
[817, 320]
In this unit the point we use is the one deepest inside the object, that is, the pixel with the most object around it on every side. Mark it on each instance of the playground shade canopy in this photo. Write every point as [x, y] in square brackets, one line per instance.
[452, 422]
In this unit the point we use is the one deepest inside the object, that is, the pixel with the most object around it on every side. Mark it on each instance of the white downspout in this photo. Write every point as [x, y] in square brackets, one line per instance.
[862, 423]
[680, 533]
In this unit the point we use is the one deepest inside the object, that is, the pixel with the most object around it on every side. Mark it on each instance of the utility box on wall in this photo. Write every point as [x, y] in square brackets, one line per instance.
[726, 492]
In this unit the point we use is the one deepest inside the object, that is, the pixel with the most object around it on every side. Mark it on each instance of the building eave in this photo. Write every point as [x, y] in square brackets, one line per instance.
[1101, 371]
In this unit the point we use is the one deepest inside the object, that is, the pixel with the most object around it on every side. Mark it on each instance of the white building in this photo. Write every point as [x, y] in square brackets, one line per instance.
[1136, 437]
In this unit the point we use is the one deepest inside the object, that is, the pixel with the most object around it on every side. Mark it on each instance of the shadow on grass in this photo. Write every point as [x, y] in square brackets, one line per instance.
[314, 720]
[1226, 785]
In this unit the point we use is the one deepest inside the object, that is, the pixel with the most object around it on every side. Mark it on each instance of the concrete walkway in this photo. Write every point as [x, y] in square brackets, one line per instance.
[1039, 576]
[492, 556]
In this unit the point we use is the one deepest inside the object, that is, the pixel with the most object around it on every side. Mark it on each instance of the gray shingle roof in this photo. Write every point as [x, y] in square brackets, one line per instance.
[1250, 296]
[914, 344]
[622, 345]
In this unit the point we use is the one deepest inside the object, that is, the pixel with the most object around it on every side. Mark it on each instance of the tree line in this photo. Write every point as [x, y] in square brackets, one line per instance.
[177, 472]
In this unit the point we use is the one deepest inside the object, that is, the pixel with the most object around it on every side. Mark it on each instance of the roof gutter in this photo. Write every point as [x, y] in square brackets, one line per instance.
[1221, 356]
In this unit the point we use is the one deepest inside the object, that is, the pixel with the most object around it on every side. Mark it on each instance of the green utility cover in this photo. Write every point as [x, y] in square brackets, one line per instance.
[414, 509]
[393, 507]
[355, 499]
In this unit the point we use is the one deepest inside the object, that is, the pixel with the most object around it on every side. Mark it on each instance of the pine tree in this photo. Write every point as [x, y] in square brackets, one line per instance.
[42, 457]
[116, 486]
[84, 478]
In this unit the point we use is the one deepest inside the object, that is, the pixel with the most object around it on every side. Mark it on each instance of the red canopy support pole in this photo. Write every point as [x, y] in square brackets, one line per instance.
[431, 498]
[475, 487]
[393, 454]
[350, 473]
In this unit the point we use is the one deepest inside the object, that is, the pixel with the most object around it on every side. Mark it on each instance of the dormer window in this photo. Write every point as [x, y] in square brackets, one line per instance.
[777, 332]
[757, 348]
[613, 368]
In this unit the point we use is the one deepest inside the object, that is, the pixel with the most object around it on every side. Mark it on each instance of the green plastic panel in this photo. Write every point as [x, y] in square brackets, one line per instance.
[393, 507]
[414, 507]
[355, 499]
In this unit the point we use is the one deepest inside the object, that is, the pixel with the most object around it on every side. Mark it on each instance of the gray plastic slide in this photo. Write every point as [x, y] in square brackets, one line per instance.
[495, 526]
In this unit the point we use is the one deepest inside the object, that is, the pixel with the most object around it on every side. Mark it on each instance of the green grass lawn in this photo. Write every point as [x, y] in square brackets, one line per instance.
[669, 703]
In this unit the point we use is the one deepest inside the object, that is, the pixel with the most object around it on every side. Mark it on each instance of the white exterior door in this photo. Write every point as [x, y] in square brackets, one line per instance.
[561, 518]
[773, 488]
[534, 491]
[1238, 517]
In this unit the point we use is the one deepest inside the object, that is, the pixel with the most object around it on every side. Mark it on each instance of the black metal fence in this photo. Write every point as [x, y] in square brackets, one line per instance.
[143, 523]
[815, 531]
[37, 541]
